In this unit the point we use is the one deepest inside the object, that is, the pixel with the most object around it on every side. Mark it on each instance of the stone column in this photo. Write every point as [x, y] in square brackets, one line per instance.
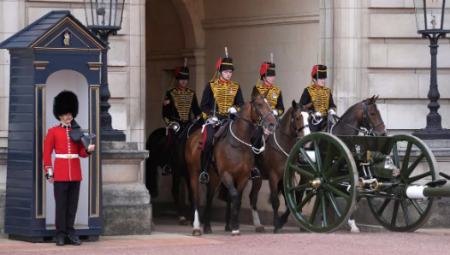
[342, 49]
[126, 201]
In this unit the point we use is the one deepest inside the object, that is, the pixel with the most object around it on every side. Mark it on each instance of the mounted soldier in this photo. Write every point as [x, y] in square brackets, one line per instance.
[220, 98]
[179, 103]
[320, 99]
[266, 83]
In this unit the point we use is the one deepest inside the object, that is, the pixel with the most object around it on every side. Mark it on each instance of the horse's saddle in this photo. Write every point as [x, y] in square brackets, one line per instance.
[221, 133]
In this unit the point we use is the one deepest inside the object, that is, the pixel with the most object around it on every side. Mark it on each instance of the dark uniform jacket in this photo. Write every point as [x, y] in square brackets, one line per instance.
[321, 98]
[182, 103]
[274, 97]
[228, 94]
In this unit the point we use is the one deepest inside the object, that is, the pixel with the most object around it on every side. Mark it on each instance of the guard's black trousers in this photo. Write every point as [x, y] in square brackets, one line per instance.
[66, 205]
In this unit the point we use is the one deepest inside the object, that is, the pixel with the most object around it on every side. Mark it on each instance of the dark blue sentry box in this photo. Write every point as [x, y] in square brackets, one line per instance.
[55, 42]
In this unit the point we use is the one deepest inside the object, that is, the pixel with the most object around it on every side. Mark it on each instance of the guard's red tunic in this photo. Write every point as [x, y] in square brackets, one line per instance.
[64, 169]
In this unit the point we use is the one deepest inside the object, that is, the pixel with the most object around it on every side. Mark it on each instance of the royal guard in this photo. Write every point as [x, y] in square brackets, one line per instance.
[179, 103]
[220, 98]
[65, 173]
[266, 83]
[320, 99]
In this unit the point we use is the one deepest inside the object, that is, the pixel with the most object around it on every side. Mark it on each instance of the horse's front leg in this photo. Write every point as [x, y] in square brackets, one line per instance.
[176, 181]
[351, 220]
[213, 183]
[284, 218]
[236, 198]
[256, 187]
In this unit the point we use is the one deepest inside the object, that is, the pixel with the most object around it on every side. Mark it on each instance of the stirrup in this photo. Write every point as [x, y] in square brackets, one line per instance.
[254, 173]
[166, 170]
[204, 177]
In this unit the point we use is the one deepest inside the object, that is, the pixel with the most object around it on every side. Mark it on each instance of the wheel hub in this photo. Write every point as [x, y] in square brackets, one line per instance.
[316, 183]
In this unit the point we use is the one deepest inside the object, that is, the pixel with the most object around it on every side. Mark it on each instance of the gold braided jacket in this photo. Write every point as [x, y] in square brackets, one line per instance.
[272, 96]
[320, 96]
[182, 99]
[225, 94]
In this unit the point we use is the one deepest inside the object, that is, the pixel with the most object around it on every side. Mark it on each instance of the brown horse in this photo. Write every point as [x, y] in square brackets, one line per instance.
[293, 126]
[364, 114]
[233, 156]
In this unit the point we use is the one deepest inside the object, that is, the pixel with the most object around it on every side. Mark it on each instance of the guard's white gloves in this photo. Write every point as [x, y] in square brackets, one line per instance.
[332, 112]
[232, 110]
[275, 112]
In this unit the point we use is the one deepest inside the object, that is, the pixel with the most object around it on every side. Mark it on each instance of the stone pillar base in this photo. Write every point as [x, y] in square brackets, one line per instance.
[2, 212]
[127, 220]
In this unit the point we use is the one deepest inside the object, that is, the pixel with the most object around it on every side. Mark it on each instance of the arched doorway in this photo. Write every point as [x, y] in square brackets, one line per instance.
[77, 83]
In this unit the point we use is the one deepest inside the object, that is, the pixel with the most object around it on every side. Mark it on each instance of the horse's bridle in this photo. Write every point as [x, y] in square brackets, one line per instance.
[366, 119]
[294, 123]
[260, 116]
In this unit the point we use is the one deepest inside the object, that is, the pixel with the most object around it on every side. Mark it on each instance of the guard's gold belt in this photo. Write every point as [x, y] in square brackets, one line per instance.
[66, 156]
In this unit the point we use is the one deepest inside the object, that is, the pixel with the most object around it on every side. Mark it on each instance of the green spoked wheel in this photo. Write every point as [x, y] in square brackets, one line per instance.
[417, 166]
[324, 198]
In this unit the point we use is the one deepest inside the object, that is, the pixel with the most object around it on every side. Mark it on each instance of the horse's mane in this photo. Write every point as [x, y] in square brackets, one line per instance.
[353, 106]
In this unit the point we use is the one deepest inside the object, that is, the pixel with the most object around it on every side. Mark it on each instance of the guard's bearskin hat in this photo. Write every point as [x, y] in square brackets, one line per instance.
[181, 73]
[225, 64]
[65, 102]
[319, 72]
[267, 69]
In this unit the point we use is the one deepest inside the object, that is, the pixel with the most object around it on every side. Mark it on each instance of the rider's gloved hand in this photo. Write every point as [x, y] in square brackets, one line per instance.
[332, 112]
[232, 110]
[275, 112]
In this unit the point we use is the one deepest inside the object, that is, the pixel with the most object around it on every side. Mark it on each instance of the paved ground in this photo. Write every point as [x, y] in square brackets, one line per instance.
[170, 238]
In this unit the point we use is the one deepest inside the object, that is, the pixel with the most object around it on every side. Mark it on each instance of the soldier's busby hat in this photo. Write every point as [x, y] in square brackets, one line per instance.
[267, 69]
[225, 64]
[181, 73]
[65, 102]
[319, 72]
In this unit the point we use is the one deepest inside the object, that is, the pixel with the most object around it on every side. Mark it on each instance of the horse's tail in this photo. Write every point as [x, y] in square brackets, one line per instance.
[153, 161]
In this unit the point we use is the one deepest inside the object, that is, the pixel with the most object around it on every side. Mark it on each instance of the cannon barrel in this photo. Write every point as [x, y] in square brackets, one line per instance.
[421, 192]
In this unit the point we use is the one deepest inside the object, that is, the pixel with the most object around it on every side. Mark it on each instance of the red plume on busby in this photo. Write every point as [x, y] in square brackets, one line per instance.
[267, 69]
[319, 72]
[65, 102]
[181, 73]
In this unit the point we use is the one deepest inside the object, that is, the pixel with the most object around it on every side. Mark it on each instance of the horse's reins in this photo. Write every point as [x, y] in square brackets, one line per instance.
[260, 118]
[296, 130]
[365, 119]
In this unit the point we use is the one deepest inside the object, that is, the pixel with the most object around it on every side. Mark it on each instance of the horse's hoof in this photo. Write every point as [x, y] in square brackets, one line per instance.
[235, 233]
[227, 228]
[278, 231]
[354, 230]
[207, 230]
[196, 232]
[260, 229]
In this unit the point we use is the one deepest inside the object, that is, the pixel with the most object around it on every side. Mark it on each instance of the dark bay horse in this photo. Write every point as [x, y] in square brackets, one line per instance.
[155, 145]
[233, 157]
[292, 127]
[364, 114]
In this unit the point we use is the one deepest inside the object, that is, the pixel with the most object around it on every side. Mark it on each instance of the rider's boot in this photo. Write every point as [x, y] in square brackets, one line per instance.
[204, 176]
[254, 172]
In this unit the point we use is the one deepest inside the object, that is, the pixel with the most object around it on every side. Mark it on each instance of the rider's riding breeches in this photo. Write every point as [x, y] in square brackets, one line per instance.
[208, 136]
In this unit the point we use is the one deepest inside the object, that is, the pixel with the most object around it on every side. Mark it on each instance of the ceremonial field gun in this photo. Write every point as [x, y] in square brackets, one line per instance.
[325, 175]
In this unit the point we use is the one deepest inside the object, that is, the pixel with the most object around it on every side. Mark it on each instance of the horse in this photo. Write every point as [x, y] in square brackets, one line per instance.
[232, 159]
[292, 126]
[362, 114]
[155, 145]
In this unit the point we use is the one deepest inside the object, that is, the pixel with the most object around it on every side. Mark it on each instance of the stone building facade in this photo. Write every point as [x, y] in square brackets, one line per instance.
[371, 47]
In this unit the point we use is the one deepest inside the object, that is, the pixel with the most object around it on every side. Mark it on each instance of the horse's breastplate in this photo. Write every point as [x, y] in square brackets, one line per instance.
[272, 96]
[224, 94]
[320, 98]
[183, 102]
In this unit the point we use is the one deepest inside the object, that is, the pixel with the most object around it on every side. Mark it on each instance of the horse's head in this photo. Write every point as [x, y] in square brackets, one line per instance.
[262, 113]
[371, 117]
[299, 120]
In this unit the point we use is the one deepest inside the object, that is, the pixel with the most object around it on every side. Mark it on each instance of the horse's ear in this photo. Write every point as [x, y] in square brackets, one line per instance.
[294, 104]
[375, 99]
[255, 92]
[371, 100]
